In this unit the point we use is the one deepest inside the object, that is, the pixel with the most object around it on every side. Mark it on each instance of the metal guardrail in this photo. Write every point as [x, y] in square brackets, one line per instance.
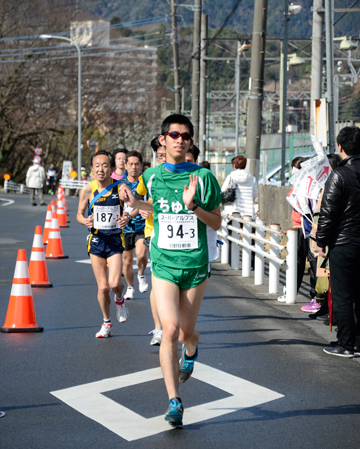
[233, 237]
[10, 186]
[72, 184]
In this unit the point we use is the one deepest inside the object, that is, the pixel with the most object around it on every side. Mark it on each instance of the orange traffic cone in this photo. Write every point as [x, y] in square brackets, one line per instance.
[61, 215]
[47, 225]
[37, 267]
[20, 315]
[53, 208]
[54, 248]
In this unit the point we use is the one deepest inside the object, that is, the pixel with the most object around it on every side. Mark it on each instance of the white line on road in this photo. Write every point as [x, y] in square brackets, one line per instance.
[89, 400]
[7, 202]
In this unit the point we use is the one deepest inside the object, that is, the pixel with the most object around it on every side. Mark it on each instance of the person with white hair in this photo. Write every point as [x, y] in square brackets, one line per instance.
[35, 178]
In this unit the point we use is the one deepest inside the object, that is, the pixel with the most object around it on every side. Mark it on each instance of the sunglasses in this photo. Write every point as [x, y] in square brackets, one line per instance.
[175, 135]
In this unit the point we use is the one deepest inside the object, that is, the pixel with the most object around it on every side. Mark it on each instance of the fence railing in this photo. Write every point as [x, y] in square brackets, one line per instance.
[72, 184]
[251, 236]
[10, 186]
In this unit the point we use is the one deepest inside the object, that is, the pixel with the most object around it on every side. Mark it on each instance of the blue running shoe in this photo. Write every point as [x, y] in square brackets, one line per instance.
[186, 366]
[174, 413]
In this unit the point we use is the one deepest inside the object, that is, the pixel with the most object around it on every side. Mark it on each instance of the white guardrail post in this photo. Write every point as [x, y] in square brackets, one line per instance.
[291, 270]
[274, 268]
[259, 258]
[6, 183]
[234, 248]
[246, 253]
[225, 247]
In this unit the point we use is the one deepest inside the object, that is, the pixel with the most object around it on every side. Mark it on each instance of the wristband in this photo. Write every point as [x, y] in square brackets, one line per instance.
[196, 205]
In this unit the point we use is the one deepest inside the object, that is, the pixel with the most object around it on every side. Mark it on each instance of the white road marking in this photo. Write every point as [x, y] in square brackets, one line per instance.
[89, 400]
[7, 202]
[88, 261]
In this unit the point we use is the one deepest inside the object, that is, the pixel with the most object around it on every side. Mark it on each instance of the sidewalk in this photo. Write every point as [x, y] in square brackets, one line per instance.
[261, 292]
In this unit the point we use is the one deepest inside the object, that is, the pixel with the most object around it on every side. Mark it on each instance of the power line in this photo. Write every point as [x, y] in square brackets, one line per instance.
[16, 50]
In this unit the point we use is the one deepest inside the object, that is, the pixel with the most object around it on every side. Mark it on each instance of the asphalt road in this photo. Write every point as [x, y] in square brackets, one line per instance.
[261, 380]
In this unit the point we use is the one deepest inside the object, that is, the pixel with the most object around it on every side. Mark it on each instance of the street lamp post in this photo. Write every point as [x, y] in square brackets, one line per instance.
[45, 37]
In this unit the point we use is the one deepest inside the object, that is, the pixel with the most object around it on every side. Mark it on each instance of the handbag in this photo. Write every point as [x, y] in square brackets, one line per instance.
[229, 196]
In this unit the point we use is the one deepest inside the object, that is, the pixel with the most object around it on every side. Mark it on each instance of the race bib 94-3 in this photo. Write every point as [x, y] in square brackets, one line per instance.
[178, 231]
[105, 217]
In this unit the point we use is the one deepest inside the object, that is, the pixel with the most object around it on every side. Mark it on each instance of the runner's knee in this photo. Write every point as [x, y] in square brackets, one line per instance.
[104, 289]
[171, 332]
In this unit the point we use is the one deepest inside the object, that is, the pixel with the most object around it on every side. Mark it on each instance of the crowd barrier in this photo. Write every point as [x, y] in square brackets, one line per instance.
[264, 241]
[10, 186]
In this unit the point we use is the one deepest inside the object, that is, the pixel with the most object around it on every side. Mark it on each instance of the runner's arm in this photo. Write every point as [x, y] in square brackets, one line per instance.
[85, 194]
[128, 197]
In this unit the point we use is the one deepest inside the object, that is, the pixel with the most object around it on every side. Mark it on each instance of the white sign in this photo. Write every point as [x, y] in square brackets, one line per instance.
[66, 170]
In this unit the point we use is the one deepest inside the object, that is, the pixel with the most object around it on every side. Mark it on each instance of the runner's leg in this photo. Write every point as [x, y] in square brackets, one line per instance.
[141, 256]
[99, 267]
[154, 311]
[189, 306]
[167, 304]
[128, 260]
[115, 270]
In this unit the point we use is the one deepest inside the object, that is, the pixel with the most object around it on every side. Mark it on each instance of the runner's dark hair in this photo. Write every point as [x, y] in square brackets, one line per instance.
[134, 153]
[120, 150]
[177, 119]
[106, 153]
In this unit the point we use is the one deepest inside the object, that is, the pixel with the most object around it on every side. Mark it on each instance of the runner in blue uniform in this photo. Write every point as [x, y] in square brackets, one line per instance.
[134, 229]
[100, 198]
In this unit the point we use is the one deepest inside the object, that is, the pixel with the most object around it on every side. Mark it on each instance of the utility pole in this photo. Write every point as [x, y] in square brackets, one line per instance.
[316, 58]
[174, 41]
[237, 90]
[253, 133]
[329, 28]
[283, 88]
[195, 84]
[203, 85]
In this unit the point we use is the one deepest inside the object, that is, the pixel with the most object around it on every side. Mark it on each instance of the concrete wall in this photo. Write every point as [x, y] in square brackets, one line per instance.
[273, 207]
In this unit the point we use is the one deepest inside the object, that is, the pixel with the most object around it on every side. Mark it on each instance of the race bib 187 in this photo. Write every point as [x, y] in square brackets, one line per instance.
[105, 217]
[178, 231]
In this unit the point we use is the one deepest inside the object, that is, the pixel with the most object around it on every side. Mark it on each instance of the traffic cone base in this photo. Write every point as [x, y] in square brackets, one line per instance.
[20, 315]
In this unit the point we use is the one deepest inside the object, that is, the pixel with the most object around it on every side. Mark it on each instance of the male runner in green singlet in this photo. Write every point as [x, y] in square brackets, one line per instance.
[186, 204]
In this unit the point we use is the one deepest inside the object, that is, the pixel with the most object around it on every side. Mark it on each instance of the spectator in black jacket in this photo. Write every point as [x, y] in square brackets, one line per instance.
[339, 229]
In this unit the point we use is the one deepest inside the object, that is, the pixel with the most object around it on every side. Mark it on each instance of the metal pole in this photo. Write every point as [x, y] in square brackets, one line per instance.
[329, 27]
[237, 90]
[246, 252]
[259, 258]
[253, 134]
[195, 84]
[79, 111]
[174, 41]
[291, 262]
[274, 269]
[316, 58]
[284, 90]
[203, 78]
